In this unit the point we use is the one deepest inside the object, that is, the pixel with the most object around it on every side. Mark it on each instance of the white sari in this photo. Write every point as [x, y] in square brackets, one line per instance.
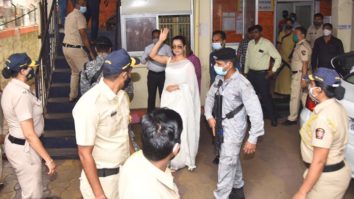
[186, 102]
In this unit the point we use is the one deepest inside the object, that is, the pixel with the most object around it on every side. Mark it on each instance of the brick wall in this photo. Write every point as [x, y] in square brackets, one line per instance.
[16, 41]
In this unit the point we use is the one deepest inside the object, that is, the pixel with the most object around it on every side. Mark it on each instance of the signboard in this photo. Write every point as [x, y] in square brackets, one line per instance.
[265, 5]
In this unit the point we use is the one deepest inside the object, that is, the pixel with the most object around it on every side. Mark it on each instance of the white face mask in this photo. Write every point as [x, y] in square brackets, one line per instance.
[327, 32]
[312, 95]
[216, 45]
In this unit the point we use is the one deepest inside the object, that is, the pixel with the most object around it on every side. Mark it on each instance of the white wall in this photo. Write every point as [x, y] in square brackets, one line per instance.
[155, 6]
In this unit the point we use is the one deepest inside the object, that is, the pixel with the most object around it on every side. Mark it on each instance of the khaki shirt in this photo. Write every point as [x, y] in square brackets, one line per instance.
[258, 55]
[326, 128]
[139, 178]
[302, 53]
[18, 105]
[74, 22]
[101, 120]
[313, 34]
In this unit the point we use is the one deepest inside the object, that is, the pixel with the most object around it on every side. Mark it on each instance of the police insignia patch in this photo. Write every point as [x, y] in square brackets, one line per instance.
[303, 52]
[320, 133]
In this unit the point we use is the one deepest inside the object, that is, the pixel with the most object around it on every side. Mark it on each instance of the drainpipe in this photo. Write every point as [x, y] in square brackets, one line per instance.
[16, 21]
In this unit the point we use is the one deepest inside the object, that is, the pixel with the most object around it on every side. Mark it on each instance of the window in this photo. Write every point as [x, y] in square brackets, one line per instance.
[178, 25]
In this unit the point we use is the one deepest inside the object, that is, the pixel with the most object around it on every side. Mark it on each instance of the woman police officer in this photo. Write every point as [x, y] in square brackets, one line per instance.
[323, 140]
[24, 114]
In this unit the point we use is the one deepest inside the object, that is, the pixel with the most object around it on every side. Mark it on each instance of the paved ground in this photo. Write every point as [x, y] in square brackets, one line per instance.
[274, 172]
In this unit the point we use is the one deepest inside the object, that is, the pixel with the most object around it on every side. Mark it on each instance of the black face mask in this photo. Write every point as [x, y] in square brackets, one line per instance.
[317, 23]
[31, 74]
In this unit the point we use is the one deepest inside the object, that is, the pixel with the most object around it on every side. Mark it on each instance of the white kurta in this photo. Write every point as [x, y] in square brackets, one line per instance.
[186, 102]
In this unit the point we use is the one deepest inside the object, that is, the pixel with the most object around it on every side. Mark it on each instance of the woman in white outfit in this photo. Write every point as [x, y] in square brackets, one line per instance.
[181, 94]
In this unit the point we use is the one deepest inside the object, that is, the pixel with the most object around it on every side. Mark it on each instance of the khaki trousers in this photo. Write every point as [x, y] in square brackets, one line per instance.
[76, 58]
[109, 185]
[28, 168]
[331, 185]
[296, 96]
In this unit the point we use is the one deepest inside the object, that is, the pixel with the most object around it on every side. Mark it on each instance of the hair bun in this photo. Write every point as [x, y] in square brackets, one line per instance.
[6, 73]
[339, 92]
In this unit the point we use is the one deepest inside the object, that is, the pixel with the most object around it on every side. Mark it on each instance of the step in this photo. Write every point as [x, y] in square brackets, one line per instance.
[60, 107]
[55, 92]
[63, 153]
[60, 62]
[59, 124]
[61, 77]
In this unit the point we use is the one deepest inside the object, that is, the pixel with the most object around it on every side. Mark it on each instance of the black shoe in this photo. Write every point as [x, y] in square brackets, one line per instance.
[237, 193]
[216, 160]
[289, 123]
[274, 122]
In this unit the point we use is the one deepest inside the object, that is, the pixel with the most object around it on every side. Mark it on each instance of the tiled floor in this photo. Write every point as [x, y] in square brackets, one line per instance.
[274, 172]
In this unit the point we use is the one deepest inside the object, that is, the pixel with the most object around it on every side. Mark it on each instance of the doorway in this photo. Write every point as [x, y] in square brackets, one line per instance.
[304, 11]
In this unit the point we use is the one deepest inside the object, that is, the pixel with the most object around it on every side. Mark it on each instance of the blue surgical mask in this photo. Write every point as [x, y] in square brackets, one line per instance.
[295, 38]
[83, 9]
[219, 70]
[216, 45]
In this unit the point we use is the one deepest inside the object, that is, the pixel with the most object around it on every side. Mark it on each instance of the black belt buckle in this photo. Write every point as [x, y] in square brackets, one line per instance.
[330, 168]
[15, 140]
[107, 172]
[71, 46]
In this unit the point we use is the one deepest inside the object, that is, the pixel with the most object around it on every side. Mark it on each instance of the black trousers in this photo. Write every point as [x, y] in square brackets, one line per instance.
[262, 87]
[155, 80]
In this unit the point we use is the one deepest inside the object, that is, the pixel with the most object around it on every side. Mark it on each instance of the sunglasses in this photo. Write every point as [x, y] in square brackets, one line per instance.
[177, 46]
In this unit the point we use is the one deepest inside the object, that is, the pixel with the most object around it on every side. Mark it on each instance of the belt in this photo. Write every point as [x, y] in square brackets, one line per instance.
[107, 172]
[294, 72]
[15, 140]
[157, 73]
[71, 46]
[330, 168]
[258, 71]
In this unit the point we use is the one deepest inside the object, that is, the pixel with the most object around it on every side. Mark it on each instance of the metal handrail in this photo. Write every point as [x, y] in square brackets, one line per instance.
[47, 51]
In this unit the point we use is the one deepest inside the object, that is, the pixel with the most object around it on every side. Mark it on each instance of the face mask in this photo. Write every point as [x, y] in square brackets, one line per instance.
[327, 32]
[155, 41]
[219, 70]
[83, 9]
[311, 94]
[316, 23]
[216, 46]
[30, 74]
[295, 38]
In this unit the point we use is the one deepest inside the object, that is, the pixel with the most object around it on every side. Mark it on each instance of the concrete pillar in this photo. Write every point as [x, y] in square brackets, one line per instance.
[342, 20]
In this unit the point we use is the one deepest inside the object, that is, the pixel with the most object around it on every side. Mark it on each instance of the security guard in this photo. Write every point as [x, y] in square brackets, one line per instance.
[101, 126]
[73, 45]
[323, 140]
[24, 114]
[299, 66]
[237, 92]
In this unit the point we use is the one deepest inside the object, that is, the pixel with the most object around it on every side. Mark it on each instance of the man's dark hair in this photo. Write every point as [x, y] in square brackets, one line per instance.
[327, 25]
[221, 33]
[256, 27]
[155, 31]
[103, 44]
[161, 130]
[302, 30]
[318, 15]
[285, 12]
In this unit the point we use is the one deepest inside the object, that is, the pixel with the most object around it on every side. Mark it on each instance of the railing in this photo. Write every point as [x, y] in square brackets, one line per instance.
[49, 36]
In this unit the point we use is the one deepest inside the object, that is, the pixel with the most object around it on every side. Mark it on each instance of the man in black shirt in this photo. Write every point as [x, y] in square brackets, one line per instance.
[325, 48]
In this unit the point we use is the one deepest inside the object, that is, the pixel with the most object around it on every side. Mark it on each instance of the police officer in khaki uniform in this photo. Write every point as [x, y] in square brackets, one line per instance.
[299, 65]
[24, 114]
[73, 45]
[323, 140]
[315, 31]
[101, 125]
[146, 174]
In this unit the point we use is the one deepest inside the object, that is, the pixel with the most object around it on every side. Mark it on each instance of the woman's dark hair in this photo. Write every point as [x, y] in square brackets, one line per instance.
[181, 38]
[189, 50]
[11, 72]
[330, 91]
[161, 130]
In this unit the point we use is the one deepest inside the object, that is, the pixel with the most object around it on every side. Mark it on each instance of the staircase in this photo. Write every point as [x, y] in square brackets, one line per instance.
[59, 136]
